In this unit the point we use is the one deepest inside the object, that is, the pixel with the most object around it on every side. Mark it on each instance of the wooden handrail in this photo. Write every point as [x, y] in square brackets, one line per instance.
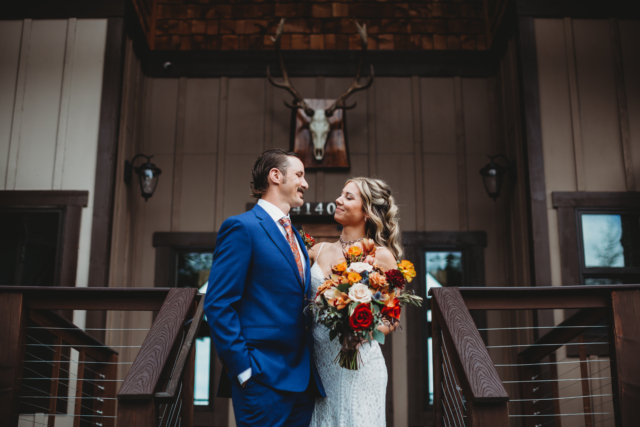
[183, 356]
[142, 379]
[478, 371]
[66, 298]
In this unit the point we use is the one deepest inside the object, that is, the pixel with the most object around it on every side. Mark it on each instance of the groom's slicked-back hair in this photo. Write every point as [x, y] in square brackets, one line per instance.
[274, 158]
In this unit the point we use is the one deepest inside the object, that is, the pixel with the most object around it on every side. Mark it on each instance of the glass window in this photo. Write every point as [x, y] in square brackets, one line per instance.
[193, 272]
[202, 385]
[611, 240]
[193, 269]
[29, 247]
[444, 268]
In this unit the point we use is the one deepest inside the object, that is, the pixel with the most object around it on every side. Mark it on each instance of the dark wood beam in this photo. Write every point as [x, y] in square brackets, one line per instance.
[103, 196]
[596, 199]
[41, 198]
[320, 63]
[63, 9]
[578, 9]
[185, 239]
[55, 298]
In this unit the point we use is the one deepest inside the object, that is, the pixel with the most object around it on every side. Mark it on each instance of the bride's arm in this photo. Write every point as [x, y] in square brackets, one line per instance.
[388, 327]
[386, 261]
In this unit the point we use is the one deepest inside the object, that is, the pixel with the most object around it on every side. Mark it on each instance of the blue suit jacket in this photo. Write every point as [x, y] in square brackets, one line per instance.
[254, 305]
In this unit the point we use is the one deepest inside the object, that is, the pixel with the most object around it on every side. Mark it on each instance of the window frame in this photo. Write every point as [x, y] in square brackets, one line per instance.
[570, 205]
[471, 244]
[70, 204]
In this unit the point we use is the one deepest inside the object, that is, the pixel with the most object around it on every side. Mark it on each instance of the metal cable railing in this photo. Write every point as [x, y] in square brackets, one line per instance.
[580, 372]
[61, 375]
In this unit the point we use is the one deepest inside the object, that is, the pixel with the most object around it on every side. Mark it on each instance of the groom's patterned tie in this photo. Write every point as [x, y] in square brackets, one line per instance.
[291, 238]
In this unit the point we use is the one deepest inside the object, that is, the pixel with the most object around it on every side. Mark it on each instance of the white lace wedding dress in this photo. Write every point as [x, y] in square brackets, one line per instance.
[354, 398]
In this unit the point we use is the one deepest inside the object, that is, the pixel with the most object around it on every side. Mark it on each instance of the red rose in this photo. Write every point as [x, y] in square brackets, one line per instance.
[361, 318]
[395, 279]
[391, 311]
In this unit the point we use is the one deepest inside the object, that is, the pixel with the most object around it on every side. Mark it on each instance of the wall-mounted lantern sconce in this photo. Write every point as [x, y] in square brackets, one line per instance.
[147, 172]
[493, 173]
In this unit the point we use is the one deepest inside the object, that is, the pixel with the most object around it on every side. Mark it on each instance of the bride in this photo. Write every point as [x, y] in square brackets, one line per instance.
[355, 398]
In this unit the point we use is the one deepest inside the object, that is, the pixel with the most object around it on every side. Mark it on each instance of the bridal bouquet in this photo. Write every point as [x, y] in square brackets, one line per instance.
[358, 297]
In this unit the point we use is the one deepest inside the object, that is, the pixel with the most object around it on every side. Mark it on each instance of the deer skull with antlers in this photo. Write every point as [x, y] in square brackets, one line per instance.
[319, 126]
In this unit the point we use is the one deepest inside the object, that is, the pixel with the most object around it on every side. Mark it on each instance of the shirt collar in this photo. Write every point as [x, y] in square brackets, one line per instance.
[273, 211]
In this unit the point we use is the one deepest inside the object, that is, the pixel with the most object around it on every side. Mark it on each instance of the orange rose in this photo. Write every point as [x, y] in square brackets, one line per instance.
[354, 251]
[341, 300]
[376, 280]
[354, 277]
[369, 247]
[341, 267]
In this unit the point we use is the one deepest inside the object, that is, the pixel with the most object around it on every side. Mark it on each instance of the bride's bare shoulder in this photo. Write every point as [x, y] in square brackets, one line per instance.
[385, 259]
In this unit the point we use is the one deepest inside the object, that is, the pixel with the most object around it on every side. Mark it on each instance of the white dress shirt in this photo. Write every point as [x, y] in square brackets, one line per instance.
[276, 214]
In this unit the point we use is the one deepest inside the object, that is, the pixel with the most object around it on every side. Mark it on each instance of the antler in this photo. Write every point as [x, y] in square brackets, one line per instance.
[286, 84]
[339, 103]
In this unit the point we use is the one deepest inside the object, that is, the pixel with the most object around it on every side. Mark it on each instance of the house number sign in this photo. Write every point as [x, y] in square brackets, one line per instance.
[321, 208]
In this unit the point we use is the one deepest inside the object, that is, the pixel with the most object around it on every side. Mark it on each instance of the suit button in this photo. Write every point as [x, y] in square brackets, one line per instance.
[307, 328]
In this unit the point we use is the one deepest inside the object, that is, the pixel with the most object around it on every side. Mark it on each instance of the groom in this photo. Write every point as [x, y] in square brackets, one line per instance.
[255, 299]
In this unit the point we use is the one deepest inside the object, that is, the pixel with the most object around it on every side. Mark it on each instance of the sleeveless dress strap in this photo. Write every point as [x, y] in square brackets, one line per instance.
[320, 250]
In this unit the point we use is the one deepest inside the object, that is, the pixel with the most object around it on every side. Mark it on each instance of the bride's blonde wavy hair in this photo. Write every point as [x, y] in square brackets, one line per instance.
[380, 207]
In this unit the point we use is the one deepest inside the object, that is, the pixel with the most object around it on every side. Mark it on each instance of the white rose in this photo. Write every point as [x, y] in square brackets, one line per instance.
[359, 267]
[360, 292]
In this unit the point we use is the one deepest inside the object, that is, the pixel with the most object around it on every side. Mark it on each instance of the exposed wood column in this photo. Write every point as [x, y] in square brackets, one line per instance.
[623, 111]
[103, 196]
[624, 366]
[539, 229]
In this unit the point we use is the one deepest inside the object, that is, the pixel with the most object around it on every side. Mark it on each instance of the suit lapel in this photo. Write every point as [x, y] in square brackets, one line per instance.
[278, 239]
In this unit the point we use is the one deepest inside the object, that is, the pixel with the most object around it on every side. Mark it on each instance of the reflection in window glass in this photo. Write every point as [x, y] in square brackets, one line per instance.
[611, 240]
[201, 378]
[594, 281]
[193, 269]
[443, 269]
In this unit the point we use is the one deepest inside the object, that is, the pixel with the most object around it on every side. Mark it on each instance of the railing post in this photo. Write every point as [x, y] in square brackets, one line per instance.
[436, 345]
[13, 318]
[624, 361]
[138, 413]
[186, 412]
